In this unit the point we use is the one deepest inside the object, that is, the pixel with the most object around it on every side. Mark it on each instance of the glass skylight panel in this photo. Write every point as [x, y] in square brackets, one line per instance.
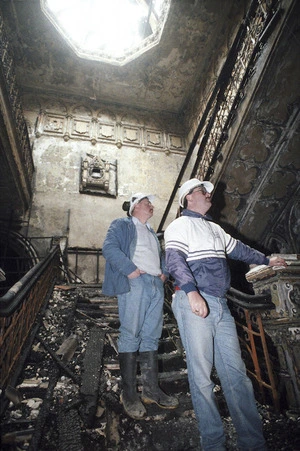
[114, 31]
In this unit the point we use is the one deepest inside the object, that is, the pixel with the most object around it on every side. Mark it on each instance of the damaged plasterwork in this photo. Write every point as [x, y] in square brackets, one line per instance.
[98, 176]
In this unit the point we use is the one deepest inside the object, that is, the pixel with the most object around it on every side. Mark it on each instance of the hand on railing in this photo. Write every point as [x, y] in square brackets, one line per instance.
[277, 261]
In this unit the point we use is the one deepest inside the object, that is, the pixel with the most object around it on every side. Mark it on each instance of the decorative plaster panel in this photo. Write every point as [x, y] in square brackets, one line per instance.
[93, 128]
[81, 128]
[176, 142]
[132, 135]
[106, 132]
[53, 124]
[154, 138]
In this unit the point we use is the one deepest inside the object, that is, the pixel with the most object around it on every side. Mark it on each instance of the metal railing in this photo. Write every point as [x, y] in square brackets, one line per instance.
[19, 308]
[77, 261]
[257, 349]
[249, 311]
[228, 94]
[7, 67]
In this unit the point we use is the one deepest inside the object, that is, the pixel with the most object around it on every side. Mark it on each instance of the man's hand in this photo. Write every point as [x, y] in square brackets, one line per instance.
[163, 277]
[135, 274]
[277, 261]
[198, 304]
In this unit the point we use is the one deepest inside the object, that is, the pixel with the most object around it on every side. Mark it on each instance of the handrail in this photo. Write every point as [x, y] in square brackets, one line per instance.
[250, 301]
[230, 85]
[10, 301]
[248, 311]
[19, 309]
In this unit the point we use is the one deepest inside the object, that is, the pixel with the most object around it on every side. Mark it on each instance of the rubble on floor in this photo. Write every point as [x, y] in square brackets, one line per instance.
[68, 395]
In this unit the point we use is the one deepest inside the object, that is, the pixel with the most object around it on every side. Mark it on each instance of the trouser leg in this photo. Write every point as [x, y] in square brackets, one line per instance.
[141, 314]
[197, 338]
[129, 397]
[237, 386]
[151, 391]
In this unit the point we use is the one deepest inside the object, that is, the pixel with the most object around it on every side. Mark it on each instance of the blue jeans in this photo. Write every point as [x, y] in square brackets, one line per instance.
[213, 341]
[141, 314]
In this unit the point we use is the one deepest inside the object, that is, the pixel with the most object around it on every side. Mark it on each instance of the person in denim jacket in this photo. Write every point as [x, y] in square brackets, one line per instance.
[135, 273]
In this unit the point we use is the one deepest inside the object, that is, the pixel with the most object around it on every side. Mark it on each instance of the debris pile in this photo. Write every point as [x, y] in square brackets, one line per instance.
[68, 395]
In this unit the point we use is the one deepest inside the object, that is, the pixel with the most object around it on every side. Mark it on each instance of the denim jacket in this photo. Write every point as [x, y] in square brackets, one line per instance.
[118, 250]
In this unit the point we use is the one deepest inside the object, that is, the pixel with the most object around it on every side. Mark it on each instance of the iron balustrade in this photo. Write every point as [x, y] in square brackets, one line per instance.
[19, 308]
[77, 263]
[14, 105]
[249, 312]
[228, 94]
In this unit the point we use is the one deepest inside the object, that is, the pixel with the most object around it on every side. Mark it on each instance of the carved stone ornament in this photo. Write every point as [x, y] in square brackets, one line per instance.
[98, 176]
[283, 323]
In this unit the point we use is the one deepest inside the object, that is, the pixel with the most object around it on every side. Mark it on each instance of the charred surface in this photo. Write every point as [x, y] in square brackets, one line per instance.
[68, 395]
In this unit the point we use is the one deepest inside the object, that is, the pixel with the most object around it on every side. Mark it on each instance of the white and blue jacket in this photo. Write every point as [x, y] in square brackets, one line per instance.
[118, 250]
[197, 251]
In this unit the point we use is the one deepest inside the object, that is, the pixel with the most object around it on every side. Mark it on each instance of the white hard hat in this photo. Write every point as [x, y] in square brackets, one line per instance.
[189, 186]
[136, 198]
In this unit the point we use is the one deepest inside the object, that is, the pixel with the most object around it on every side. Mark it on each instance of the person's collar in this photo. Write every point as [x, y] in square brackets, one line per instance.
[194, 214]
[137, 221]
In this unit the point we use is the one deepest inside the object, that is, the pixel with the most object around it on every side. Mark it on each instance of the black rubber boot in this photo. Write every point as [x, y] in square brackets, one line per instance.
[129, 397]
[151, 391]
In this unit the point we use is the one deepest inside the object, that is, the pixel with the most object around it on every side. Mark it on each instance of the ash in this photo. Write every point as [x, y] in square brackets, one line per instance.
[50, 410]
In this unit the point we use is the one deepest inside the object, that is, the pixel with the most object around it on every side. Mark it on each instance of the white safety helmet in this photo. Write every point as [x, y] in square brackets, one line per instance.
[136, 198]
[191, 184]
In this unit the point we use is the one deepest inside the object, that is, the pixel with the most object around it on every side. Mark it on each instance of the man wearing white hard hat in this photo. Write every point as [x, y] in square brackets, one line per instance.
[135, 273]
[196, 256]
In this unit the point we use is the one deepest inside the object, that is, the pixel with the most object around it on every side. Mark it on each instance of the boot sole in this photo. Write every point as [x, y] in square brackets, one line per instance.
[152, 401]
[129, 414]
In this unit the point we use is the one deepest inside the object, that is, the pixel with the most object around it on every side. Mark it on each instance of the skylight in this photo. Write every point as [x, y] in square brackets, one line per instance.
[113, 31]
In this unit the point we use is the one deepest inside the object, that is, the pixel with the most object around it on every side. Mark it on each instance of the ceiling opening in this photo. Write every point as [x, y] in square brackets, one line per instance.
[111, 31]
